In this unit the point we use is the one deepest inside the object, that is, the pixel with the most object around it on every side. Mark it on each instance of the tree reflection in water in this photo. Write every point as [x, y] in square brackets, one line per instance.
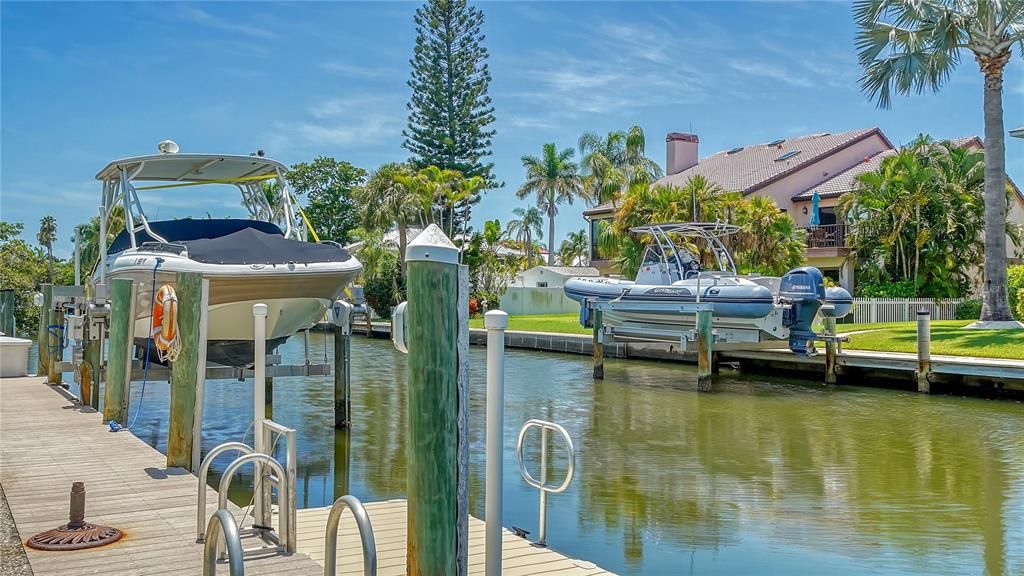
[762, 476]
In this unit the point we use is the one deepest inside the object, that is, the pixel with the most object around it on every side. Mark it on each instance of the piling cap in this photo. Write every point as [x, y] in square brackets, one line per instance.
[259, 309]
[496, 320]
[432, 246]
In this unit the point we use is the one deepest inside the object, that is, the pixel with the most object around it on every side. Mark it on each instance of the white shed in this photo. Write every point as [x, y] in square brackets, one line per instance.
[551, 276]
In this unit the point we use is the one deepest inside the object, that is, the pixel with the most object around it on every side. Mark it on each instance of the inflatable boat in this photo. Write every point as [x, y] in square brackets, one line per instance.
[749, 309]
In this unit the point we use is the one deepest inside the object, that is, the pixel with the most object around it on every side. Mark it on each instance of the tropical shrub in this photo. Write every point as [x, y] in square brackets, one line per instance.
[385, 290]
[969, 309]
[1015, 286]
[901, 289]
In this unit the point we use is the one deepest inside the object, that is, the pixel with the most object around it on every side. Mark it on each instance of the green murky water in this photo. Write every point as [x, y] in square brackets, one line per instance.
[764, 476]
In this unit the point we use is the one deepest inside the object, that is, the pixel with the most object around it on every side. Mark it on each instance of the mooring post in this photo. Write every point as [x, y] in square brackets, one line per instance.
[92, 356]
[55, 352]
[185, 370]
[119, 356]
[43, 336]
[924, 350]
[259, 368]
[598, 343]
[436, 484]
[704, 339]
[495, 322]
[7, 300]
[830, 350]
[342, 320]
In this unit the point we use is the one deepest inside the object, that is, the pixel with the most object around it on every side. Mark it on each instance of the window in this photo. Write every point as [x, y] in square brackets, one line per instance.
[542, 284]
[735, 150]
[776, 142]
[596, 227]
[787, 155]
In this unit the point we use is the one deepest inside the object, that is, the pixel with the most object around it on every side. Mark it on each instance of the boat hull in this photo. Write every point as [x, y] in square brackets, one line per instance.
[296, 297]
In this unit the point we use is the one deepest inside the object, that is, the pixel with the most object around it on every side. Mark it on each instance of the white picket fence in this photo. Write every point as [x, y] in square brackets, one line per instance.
[876, 310]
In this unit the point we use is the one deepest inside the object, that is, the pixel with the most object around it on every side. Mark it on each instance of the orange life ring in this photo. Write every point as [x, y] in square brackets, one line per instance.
[165, 319]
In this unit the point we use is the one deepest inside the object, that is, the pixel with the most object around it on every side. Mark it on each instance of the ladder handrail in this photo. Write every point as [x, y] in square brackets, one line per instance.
[570, 452]
[204, 470]
[285, 498]
[365, 535]
[541, 484]
[222, 522]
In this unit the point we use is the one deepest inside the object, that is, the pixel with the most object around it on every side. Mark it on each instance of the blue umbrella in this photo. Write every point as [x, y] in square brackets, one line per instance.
[815, 218]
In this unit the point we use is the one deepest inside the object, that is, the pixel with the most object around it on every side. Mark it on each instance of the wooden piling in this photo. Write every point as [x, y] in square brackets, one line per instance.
[704, 339]
[830, 350]
[43, 335]
[55, 349]
[598, 344]
[119, 356]
[7, 304]
[92, 365]
[924, 350]
[185, 370]
[342, 401]
[437, 508]
[85, 373]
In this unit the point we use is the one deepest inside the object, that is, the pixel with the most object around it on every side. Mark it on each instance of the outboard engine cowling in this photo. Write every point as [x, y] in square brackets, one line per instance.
[803, 289]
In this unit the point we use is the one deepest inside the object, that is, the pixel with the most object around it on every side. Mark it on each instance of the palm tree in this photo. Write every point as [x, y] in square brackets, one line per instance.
[612, 164]
[574, 248]
[90, 251]
[527, 225]
[386, 201]
[554, 179]
[47, 236]
[914, 45]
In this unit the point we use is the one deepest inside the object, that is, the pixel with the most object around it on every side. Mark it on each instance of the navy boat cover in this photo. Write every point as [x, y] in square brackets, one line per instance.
[230, 241]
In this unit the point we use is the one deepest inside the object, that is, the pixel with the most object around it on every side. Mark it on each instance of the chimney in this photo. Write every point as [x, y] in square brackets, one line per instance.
[680, 152]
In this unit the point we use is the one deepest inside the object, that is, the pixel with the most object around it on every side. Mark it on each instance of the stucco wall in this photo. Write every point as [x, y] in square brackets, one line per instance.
[783, 190]
[527, 301]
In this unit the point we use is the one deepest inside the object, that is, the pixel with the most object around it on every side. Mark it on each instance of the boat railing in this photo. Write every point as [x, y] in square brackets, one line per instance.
[364, 528]
[542, 484]
[286, 538]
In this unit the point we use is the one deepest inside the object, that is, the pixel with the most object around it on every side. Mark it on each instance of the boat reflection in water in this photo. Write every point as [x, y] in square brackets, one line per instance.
[763, 476]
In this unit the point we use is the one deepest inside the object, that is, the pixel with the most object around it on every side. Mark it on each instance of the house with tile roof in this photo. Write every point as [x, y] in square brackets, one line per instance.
[790, 171]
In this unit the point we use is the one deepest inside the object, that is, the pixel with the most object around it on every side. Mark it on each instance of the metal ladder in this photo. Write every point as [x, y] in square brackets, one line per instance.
[542, 484]
[223, 522]
[269, 474]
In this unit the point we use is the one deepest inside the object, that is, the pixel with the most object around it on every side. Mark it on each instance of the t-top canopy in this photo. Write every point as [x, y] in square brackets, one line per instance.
[191, 167]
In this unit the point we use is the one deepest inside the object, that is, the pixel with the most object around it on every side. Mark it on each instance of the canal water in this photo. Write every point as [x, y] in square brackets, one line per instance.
[763, 476]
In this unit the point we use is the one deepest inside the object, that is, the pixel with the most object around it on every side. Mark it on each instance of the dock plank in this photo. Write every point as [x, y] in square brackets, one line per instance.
[46, 443]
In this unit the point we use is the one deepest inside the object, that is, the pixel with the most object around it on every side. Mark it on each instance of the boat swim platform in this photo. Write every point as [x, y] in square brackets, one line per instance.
[48, 440]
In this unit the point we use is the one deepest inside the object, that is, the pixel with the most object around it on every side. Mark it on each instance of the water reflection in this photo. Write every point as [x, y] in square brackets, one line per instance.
[767, 477]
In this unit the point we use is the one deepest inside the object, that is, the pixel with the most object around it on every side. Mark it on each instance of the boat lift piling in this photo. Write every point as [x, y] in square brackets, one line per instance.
[119, 359]
[187, 379]
[831, 346]
[42, 335]
[341, 315]
[438, 514]
[924, 351]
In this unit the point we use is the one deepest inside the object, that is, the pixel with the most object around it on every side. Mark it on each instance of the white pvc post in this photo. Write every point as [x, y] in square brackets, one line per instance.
[259, 367]
[496, 322]
[78, 256]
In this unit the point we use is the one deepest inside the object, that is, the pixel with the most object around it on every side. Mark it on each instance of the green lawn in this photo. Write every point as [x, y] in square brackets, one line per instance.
[948, 337]
[558, 323]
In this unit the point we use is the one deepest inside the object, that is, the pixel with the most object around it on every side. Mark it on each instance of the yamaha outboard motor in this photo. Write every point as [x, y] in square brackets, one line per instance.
[804, 291]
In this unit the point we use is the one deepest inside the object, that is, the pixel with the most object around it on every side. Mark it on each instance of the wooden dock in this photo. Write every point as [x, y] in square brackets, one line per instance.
[48, 441]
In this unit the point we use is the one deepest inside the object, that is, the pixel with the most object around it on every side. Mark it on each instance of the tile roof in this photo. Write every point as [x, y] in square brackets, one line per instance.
[844, 181]
[752, 167]
[572, 270]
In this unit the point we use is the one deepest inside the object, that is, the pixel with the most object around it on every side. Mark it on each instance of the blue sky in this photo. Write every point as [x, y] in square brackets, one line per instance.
[84, 83]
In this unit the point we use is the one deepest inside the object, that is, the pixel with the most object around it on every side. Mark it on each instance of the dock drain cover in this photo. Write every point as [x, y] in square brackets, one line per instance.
[77, 534]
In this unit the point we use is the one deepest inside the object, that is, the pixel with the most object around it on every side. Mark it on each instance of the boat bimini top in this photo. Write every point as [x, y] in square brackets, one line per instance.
[174, 170]
[680, 261]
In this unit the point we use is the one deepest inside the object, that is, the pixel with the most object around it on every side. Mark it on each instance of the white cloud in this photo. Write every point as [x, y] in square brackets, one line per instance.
[366, 130]
[772, 71]
[354, 70]
[200, 16]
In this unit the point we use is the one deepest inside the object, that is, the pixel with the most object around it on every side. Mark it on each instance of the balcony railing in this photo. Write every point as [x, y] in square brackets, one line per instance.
[826, 236]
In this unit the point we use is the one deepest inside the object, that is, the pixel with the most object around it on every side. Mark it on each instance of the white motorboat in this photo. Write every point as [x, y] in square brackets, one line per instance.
[262, 259]
[745, 309]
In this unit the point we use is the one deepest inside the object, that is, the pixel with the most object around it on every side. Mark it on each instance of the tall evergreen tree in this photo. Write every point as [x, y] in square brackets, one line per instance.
[450, 111]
